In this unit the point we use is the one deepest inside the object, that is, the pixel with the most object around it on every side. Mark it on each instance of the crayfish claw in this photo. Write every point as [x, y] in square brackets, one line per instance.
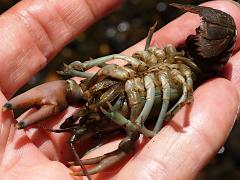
[51, 93]
[7, 106]
[44, 112]
[49, 99]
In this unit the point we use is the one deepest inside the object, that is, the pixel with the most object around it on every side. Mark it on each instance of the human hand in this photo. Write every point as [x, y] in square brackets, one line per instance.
[179, 151]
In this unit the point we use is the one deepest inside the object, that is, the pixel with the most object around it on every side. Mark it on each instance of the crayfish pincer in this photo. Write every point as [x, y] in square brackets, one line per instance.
[154, 84]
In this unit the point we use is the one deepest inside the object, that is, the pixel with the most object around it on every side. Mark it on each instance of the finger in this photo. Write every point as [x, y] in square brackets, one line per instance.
[187, 143]
[23, 158]
[50, 170]
[13, 142]
[5, 127]
[32, 32]
[232, 71]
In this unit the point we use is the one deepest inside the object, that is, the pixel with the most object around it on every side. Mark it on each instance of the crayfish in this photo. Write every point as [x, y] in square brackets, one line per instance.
[124, 98]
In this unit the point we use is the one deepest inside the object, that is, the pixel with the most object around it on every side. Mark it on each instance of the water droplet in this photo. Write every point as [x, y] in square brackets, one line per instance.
[123, 26]
[161, 7]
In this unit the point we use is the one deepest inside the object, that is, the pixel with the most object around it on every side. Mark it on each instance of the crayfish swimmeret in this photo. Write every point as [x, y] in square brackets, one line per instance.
[123, 97]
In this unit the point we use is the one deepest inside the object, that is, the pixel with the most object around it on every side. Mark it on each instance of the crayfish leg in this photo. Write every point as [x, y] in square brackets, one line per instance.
[67, 71]
[103, 162]
[107, 160]
[134, 88]
[185, 94]
[166, 90]
[150, 97]
[149, 36]
[84, 171]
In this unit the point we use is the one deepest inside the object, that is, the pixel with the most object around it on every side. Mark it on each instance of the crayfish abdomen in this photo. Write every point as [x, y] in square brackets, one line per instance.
[120, 98]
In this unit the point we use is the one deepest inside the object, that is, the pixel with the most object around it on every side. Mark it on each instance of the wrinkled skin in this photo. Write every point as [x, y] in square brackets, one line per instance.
[209, 140]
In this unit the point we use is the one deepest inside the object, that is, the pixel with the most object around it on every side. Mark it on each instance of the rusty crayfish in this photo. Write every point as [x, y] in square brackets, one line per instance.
[124, 98]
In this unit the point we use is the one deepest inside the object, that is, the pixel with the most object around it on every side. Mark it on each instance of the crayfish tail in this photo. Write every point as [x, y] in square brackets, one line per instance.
[213, 16]
[189, 8]
[213, 43]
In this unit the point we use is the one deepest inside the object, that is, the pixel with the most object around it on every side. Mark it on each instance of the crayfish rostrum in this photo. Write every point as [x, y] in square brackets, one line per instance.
[124, 98]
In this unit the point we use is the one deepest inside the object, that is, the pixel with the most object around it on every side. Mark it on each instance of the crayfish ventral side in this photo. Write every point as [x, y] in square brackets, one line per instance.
[156, 82]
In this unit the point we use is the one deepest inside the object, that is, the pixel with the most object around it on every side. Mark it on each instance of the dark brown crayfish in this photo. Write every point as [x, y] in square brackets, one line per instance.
[123, 97]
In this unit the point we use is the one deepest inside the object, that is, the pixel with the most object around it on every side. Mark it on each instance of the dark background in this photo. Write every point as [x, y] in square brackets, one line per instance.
[116, 32]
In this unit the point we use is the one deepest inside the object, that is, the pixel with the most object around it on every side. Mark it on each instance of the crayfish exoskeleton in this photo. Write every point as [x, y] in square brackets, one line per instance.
[123, 97]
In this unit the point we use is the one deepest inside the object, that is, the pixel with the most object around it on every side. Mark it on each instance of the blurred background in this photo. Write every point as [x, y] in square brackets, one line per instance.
[116, 32]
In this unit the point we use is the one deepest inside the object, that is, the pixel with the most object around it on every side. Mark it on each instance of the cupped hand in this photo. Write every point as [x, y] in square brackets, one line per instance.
[32, 32]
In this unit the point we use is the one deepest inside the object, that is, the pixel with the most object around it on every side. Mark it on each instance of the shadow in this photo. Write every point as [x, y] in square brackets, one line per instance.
[187, 112]
[139, 146]
[178, 127]
[22, 141]
[226, 71]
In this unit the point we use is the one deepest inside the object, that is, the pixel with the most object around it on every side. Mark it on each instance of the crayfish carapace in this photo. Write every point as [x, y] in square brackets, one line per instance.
[122, 97]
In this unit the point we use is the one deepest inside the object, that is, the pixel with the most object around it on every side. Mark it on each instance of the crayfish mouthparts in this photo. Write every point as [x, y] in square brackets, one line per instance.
[154, 84]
